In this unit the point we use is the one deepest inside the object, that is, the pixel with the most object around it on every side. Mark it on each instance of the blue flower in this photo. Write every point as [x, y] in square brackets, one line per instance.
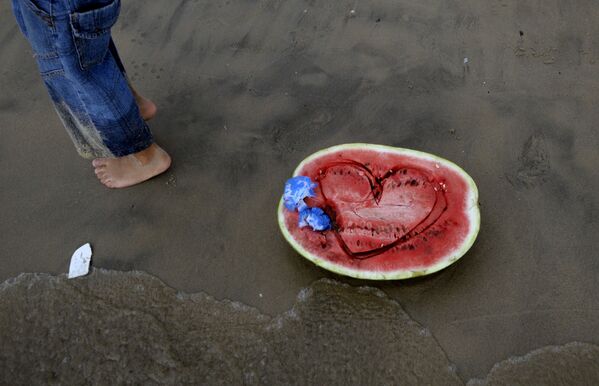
[296, 189]
[314, 217]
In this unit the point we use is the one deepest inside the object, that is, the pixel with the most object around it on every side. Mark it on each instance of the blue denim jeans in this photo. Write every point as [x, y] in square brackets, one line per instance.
[83, 73]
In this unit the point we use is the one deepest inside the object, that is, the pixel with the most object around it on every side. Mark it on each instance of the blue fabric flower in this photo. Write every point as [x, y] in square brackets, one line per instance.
[314, 217]
[296, 189]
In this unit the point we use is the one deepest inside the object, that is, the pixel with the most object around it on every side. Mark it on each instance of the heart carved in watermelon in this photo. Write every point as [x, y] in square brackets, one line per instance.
[395, 213]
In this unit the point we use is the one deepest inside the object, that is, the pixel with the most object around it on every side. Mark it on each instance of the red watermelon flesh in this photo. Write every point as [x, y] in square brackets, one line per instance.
[396, 213]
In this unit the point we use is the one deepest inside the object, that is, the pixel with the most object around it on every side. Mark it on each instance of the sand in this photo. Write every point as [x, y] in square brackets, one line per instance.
[129, 328]
[246, 90]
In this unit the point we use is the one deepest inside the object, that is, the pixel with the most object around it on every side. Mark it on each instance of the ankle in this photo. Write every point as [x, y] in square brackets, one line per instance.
[147, 155]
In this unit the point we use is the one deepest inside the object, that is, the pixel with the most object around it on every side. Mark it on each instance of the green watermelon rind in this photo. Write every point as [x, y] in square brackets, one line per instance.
[451, 257]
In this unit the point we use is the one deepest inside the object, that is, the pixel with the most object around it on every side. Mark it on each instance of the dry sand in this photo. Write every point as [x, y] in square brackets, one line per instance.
[247, 89]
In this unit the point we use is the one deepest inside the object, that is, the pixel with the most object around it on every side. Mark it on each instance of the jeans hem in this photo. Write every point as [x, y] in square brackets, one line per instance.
[143, 145]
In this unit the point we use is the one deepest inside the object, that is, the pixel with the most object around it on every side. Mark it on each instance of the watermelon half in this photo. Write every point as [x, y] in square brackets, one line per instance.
[395, 213]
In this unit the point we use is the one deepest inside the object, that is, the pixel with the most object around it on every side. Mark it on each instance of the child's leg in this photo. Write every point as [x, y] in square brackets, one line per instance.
[89, 90]
[147, 108]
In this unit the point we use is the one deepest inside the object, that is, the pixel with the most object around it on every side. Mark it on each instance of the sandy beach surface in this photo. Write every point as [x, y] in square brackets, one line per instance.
[246, 89]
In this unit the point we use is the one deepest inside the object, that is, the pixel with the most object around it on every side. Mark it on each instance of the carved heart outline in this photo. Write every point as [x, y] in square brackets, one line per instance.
[377, 190]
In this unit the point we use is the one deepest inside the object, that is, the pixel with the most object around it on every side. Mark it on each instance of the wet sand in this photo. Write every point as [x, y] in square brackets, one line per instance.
[246, 90]
[154, 334]
[129, 328]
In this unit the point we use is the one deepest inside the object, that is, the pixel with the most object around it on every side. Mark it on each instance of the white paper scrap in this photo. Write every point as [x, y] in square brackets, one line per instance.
[80, 261]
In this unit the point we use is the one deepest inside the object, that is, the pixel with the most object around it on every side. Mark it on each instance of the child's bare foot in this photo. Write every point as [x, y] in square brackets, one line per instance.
[147, 108]
[132, 169]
